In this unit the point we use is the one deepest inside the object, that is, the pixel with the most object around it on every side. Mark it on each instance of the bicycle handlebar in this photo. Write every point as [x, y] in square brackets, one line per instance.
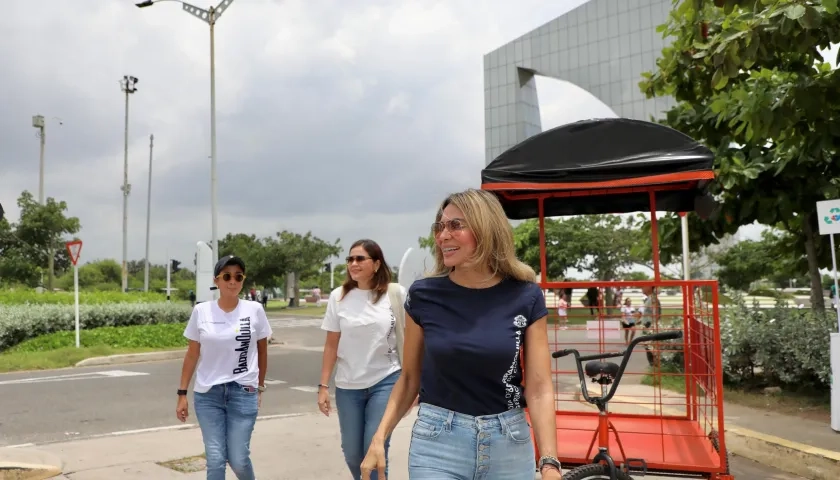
[655, 337]
[579, 359]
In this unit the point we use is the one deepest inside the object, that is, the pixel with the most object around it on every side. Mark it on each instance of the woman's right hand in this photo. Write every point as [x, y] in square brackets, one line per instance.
[374, 460]
[182, 411]
[324, 401]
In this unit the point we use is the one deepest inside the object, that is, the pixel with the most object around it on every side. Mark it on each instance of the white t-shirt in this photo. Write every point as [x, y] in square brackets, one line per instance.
[228, 343]
[629, 314]
[367, 350]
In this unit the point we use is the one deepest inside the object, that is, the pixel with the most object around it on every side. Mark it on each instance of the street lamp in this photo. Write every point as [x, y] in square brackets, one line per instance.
[127, 84]
[210, 16]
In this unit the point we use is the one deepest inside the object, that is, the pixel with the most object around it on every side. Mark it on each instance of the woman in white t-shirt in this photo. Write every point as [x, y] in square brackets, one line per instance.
[228, 342]
[362, 343]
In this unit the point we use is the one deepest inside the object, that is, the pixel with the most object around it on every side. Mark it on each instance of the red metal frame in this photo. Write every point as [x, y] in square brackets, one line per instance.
[688, 442]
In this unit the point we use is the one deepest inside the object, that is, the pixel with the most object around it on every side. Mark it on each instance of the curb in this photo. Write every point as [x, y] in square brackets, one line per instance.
[792, 457]
[29, 465]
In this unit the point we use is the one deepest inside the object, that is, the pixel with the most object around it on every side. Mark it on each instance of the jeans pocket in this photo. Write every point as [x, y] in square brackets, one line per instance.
[519, 431]
[426, 428]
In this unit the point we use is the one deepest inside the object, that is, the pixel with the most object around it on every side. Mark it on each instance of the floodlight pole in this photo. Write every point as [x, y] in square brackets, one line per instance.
[210, 16]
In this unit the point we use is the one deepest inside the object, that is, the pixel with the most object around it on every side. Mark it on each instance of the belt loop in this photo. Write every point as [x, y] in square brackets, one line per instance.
[503, 425]
[448, 424]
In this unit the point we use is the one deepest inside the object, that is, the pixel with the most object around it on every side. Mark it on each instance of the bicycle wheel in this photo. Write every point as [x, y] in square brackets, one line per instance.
[594, 471]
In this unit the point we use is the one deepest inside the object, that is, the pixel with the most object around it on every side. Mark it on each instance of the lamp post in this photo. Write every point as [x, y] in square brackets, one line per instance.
[210, 16]
[127, 84]
[38, 122]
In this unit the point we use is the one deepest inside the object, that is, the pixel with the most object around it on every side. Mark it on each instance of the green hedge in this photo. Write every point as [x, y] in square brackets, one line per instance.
[30, 297]
[780, 346]
[22, 322]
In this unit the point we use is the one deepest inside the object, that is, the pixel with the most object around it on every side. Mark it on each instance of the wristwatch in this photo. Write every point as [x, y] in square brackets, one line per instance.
[181, 392]
[550, 461]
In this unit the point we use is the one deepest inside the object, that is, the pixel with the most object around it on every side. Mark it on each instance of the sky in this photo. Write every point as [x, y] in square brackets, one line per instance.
[346, 119]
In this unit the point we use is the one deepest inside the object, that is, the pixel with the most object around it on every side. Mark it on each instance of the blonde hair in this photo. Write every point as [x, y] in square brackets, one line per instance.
[493, 236]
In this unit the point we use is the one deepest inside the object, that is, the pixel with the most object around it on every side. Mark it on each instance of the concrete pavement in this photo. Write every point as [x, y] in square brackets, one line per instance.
[305, 447]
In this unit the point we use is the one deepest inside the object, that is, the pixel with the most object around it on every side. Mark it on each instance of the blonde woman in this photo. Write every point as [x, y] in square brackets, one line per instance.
[466, 326]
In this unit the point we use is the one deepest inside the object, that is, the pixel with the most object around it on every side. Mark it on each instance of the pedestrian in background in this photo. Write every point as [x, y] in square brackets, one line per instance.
[228, 342]
[364, 343]
[466, 326]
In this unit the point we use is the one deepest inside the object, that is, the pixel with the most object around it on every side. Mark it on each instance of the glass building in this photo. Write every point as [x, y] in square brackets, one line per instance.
[603, 47]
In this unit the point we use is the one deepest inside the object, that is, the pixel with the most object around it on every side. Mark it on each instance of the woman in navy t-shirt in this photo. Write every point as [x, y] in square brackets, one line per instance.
[466, 326]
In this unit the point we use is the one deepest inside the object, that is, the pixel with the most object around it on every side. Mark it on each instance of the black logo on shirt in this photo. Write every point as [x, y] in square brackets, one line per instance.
[244, 339]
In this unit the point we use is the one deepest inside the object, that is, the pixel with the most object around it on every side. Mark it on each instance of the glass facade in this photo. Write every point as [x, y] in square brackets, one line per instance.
[603, 46]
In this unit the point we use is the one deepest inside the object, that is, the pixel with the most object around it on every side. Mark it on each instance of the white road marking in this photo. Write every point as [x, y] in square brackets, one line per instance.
[274, 382]
[295, 322]
[183, 426]
[75, 376]
[278, 416]
[21, 445]
[306, 389]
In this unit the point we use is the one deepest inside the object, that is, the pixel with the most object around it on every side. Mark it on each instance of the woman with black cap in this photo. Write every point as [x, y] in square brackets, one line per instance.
[228, 342]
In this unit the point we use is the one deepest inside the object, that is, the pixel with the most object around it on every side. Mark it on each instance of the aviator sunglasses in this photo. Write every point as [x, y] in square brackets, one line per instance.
[227, 276]
[454, 225]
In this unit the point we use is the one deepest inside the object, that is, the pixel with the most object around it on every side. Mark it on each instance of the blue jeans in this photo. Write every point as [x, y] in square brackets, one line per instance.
[452, 446]
[359, 414]
[226, 414]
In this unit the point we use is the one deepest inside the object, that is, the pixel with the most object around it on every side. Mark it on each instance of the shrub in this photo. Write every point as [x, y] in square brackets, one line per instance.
[31, 297]
[778, 346]
[22, 322]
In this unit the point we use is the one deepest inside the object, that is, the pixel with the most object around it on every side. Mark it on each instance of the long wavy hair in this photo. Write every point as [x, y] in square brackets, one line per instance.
[493, 236]
[381, 278]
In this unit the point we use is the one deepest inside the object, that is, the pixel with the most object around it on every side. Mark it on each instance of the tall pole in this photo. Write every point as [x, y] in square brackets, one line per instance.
[168, 268]
[128, 87]
[43, 135]
[148, 215]
[214, 220]
[685, 247]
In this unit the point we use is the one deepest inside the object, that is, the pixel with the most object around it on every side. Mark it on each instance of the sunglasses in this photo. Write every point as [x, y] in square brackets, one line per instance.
[455, 225]
[239, 277]
[356, 258]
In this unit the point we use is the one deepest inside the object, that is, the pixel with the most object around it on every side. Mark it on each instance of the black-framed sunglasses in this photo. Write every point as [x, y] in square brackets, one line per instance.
[356, 258]
[454, 225]
[239, 277]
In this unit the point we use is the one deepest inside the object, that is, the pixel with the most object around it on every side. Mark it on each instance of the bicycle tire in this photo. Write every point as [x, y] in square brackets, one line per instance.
[594, 471]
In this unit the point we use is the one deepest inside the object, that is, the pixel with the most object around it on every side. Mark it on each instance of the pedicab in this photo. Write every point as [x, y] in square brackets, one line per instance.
[667, 417]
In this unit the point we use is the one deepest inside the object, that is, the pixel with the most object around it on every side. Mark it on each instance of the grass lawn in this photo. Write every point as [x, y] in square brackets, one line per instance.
[58, 350]
[807, 405]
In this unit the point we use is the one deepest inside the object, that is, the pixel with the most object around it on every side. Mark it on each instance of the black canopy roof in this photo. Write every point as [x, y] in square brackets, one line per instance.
[600, 166]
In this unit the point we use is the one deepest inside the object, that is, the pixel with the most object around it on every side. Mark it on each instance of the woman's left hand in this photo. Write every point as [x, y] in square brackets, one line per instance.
[549, 473]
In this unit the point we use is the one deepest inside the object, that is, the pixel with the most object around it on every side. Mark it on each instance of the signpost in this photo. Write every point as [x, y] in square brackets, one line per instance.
[74, 248]
[828, 216]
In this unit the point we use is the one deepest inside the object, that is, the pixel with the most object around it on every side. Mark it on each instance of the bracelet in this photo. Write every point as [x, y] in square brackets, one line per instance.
[321, 385]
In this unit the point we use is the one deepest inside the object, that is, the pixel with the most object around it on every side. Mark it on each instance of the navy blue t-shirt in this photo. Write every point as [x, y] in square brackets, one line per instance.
[473, 340]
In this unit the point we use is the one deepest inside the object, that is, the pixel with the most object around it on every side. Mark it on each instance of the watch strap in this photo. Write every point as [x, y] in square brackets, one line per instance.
[181, 392]
[548, 460]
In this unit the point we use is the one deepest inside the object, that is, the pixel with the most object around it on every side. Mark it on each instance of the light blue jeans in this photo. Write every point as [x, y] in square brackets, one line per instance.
[359, 414]
[226, 414]
[446, 445]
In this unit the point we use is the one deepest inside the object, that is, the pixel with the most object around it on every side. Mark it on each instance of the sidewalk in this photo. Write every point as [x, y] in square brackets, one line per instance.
[307, 447]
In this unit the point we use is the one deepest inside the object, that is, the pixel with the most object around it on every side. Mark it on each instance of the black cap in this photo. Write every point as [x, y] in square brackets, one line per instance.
[228, 260]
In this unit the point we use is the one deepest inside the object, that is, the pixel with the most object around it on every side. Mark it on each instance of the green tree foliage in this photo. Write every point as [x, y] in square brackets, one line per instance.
[40, 233]
[752, 85]
[268, 259]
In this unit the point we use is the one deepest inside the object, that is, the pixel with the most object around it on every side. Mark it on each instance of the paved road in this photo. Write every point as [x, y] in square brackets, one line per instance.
[68, 404]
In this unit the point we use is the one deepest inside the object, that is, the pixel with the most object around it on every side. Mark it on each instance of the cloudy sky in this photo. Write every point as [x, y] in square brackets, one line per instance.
[347, 119]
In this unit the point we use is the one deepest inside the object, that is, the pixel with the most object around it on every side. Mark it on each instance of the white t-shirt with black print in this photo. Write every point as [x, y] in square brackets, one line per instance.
[367, 350]
[228, 343]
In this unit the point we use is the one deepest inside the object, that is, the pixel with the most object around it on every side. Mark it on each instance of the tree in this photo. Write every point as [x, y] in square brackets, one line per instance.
[36, 242]
[750, 83]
